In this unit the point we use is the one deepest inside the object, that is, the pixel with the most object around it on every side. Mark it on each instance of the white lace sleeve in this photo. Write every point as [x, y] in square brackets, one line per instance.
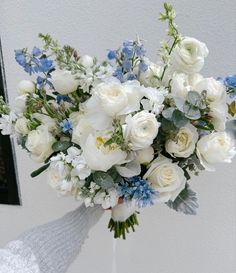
[17, 258]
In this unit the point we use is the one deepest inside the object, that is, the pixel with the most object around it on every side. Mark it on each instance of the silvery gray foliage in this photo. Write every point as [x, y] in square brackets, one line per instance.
[231, 127]
[185, 202]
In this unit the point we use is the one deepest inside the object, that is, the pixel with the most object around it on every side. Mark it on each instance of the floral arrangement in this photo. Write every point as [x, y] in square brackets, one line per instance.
[125, 133]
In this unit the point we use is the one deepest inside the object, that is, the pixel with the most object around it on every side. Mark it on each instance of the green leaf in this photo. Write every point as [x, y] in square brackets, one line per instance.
[231, 127]
[179, 103]
[167, 113]
[104, 180]
[115, 175]
[232, 108]
[193, 97]
[179, 119]
[191, 111]
[40, 170]
[185, 202]
[61, 146]
[167, 126]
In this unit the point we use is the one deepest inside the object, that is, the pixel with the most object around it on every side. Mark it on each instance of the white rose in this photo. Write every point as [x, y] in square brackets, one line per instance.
[150, 78]
[166, 177]
[100, 157]
[39, 143]
[21, 126]
[86, 60]
[181, 84]
[184, 143]
[217, 147]
[25, 87]
[118, 99]
[122, 212]
[218, 113]
[64, 82]
[141, 129]
[216, 91]
[188, 56]
[145, 156]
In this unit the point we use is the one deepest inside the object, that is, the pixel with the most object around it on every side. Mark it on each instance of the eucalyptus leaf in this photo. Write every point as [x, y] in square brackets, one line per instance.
[185, 202]
[167, 126]
[104, 180]
[167, 113]
[179, 119]
[191, 112]
[179, 102]
[115, 175]
[193, 97]
[61, 146]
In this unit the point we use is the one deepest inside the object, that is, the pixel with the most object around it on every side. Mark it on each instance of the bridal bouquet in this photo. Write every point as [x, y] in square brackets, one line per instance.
[125, 133]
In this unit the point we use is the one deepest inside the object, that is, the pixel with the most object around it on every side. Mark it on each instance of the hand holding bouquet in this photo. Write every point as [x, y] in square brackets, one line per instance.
[125, 133]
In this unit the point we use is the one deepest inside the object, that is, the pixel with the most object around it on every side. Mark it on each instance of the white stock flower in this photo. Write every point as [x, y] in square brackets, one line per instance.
[100, 157]
[7, 123]
[216, 91]
[184, 143]
[154, 99]
[141, 129]
[145, 156]
[21, 126]
[57, 172]
[188, 56]
[25, 87]
[217, 147]
[39, 143]
[106, 200]
[165, 177]
[64, 82]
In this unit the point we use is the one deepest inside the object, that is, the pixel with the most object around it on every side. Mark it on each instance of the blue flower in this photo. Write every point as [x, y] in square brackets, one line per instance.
[45, 65]
[61, 98]
[131, 77]
[118, 74]
[230, 81]
[112, 54]
[139, 50]
[142, 66]
[128, 52]
[66, 126]
[20, 58]
[40, 82]
[36, 51]
[127, 65]
[138, 189]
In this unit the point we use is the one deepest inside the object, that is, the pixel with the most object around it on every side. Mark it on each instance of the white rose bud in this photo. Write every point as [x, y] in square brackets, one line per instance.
[21, 126]
[188, 56]
[25, 87]
[215, 148]
[39, 143]
[64, 82]
[86, 60]
[145, 156]
[165, 177]
[141, 129]
[215, 90]
[184, 143]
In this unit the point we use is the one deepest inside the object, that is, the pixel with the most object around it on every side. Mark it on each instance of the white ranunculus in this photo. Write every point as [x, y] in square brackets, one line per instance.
[218, 112]
[141, 129]
[217, 147]
[188, 56]
[122, 212]
[165, 177]
[182, 83]
[21, 126]
[20, 104]
[87, 61]
[100, 157]
[145, 156]
[25, 87]
[216, 91]
[64, 82]
[184, 143]
[118, 99]
[39, 143]
[150, 78]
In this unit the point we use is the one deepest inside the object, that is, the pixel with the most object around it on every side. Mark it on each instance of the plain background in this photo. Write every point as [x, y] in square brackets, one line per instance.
[165, 242]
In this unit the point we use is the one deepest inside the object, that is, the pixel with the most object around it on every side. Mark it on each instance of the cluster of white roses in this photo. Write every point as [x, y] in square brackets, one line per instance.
[115, 142]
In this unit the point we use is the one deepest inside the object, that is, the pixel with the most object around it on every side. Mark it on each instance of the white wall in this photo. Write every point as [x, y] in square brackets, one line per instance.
[165, 242]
